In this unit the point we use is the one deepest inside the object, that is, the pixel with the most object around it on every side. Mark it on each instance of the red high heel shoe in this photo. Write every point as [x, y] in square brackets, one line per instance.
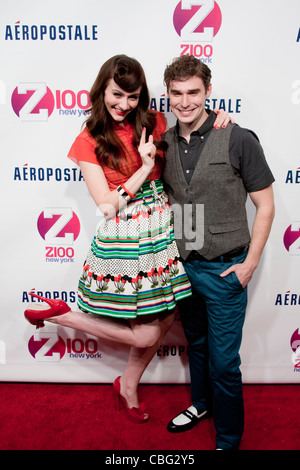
[36, 314]
[135, 415]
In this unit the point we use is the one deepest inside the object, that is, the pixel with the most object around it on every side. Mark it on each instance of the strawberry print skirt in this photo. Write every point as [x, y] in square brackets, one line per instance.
[133, 266]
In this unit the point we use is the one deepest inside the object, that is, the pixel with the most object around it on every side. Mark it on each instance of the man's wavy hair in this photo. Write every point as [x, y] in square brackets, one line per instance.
[185, 67]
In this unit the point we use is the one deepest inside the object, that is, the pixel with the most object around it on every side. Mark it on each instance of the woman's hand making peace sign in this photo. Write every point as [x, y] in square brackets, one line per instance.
[147, 150]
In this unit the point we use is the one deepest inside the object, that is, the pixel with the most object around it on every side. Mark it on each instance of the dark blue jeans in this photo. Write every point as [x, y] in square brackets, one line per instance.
[213, 319]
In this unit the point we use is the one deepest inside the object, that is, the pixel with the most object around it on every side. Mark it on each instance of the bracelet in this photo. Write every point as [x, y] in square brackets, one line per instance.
[123, 193]
[126, 191]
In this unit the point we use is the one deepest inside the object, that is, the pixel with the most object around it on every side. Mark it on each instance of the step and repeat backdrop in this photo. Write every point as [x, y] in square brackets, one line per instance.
[50, 54]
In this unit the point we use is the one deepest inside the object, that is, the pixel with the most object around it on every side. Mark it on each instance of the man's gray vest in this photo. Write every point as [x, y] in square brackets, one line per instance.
[209, 213]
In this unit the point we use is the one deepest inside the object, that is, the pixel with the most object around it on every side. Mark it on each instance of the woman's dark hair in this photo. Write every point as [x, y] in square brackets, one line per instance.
[128, 74]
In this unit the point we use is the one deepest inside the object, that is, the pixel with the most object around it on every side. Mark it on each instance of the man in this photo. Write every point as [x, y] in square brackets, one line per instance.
[215, 170]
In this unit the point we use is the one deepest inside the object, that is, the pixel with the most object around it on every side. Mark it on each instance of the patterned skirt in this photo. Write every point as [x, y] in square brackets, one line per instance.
[133, 266]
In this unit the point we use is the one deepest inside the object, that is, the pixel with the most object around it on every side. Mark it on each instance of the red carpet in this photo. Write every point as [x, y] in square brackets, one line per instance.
[79, 417]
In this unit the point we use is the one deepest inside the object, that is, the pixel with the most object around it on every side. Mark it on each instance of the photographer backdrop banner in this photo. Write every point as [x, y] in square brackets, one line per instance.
[50, 55]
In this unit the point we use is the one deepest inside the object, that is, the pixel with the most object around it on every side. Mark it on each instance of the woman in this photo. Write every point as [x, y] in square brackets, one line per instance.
[132, 276]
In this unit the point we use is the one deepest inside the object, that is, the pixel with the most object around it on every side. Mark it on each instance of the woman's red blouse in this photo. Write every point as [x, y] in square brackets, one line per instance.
[83, 149]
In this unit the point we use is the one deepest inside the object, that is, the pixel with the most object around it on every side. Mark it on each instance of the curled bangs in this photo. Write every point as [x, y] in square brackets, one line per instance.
[128, 75]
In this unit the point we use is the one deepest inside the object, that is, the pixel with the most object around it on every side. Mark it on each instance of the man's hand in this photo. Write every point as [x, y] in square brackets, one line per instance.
[243, 271]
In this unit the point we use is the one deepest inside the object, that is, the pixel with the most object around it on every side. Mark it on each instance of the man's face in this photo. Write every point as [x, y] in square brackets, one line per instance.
[187, 101]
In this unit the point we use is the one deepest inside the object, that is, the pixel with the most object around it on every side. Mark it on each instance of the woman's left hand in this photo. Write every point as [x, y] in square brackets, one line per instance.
[147, 150]
[222, 119]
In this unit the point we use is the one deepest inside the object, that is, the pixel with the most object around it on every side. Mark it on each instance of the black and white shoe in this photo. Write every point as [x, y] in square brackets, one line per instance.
[186, 420]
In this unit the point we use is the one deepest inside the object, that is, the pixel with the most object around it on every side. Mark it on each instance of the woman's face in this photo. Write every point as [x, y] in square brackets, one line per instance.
[118, 102]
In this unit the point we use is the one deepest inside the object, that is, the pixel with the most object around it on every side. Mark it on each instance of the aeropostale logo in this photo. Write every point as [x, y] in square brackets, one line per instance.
[43, 32]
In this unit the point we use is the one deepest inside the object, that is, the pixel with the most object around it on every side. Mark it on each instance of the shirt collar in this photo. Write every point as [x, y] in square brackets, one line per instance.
[204, 128]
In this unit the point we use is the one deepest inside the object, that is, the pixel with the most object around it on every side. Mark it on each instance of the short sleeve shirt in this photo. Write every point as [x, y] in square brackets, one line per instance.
[83, 149]
[245, 153]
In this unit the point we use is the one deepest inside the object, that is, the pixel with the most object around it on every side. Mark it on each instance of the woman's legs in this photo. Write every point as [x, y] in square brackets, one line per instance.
[144, 336]
[139, 358]
[133, 333]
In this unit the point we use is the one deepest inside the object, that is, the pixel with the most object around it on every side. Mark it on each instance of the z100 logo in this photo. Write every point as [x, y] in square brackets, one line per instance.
[197, 21]
[49, 347]
[295, 345]
[291, 239]
[35, 102]
[59, 227]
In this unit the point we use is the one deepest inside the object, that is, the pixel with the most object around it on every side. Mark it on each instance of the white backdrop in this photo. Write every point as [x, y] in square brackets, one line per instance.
[50, 55]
